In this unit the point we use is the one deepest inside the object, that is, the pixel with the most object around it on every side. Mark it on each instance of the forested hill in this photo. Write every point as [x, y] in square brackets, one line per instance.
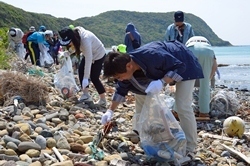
[109, 26]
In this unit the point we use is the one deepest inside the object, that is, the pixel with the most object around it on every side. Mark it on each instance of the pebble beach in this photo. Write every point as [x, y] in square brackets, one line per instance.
[60, 132]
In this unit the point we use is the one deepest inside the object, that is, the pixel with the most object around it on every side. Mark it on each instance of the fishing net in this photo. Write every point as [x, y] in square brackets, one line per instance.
[224, 104]
[31, 89]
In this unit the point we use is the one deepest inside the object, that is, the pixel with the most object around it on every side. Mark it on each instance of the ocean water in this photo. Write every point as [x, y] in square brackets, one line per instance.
[236, 74]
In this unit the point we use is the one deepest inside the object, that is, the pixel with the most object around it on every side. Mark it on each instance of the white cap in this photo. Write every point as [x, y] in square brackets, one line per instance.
[114, 48]
[197, 39]
[32, 29]
[49, 32]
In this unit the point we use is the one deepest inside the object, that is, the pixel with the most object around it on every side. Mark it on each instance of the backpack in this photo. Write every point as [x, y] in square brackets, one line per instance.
[25, 37]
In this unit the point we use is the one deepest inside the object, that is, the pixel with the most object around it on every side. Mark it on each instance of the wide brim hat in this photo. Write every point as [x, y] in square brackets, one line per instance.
[66, 34]
[122, 48]
[197, 39]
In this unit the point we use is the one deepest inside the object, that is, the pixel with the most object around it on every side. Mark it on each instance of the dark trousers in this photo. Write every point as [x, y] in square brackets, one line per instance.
[34, 53]
[95, 72]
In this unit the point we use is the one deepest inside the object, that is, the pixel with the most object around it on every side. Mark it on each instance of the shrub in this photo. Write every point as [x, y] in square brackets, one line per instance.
[4, 58]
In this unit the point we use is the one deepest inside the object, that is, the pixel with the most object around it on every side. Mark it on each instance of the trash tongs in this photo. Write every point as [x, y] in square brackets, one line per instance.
[98, 154]
[103, 132]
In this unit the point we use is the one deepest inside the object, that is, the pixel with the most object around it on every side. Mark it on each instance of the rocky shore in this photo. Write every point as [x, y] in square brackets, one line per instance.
[60, 133]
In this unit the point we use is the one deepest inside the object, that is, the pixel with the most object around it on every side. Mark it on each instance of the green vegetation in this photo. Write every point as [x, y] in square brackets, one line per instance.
[4, 59]
[109, 26]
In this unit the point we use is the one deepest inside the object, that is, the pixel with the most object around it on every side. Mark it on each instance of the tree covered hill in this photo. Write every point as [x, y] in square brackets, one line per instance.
[109, 26]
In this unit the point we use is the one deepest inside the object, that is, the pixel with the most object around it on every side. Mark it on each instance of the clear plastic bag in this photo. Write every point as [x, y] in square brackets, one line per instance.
[160, 133]
[64, 80]
[20, 51]
[46, 59]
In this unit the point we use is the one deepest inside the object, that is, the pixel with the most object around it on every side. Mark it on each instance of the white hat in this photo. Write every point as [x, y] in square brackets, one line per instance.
[32, 29]
[197, 39]
[49, 32]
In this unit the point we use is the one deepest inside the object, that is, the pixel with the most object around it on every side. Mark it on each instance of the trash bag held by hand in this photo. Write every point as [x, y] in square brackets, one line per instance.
[160, 133]
[64, 80]
[45, 58]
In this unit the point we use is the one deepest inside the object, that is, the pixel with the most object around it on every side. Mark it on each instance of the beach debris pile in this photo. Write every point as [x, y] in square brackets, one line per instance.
[32, 90]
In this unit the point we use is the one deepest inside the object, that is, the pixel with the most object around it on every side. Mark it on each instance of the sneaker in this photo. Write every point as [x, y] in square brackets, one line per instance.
[191, 155]
[102, 103]
[84, 97]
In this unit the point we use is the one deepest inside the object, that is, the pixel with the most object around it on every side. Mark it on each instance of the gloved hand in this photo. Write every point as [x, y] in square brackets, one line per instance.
[154, 87]
[85, 83]
[107, 116]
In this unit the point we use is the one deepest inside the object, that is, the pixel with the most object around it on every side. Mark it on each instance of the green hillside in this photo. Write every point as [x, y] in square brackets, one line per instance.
[109, 26]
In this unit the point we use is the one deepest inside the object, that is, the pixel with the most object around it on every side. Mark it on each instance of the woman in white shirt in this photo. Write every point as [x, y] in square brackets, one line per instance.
[82, 41]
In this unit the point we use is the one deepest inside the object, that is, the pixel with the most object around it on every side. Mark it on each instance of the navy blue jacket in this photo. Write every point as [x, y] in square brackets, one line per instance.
[157, 59]
[127, 41]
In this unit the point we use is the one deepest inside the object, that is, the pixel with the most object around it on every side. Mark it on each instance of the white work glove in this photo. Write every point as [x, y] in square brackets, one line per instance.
[85, 83]
[154, 87]
[107, 116]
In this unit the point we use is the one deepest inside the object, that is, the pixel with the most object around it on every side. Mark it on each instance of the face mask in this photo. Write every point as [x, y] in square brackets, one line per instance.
[72, 50]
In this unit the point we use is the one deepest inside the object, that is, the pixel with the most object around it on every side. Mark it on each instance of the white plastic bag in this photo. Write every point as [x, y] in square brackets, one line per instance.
[45, 58]
[160, 133]
[20, 51]
[64, 80]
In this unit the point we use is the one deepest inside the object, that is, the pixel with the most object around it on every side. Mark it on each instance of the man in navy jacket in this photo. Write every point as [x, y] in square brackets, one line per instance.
[147, 70]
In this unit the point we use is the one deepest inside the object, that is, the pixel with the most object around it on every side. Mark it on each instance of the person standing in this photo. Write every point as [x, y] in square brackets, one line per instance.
[35, 45]
[201, 48]
[80, 40]
[24, 40]
[132, 37]
[179, 30]
[15, 36]
[147, 70]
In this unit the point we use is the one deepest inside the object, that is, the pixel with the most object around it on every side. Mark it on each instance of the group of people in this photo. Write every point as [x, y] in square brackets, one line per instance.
[39, 45]
[180, 60]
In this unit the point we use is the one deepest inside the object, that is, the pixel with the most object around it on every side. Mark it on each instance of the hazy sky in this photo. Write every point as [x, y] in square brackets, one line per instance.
[229, 19]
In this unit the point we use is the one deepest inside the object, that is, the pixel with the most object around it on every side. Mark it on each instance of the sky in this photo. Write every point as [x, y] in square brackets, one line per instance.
[229, 19]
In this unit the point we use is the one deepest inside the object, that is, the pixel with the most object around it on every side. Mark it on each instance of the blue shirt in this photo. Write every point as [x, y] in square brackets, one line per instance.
[36, 37]
[173, 34]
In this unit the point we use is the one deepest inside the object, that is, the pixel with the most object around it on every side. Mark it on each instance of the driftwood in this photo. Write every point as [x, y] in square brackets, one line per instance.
[235, 152]
[58, 154]
[225, 138]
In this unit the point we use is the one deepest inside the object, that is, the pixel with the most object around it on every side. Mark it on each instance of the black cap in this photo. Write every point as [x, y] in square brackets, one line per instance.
[66, 35]
[179, 16]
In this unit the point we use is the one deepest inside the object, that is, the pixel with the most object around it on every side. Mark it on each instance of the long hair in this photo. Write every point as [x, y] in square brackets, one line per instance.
[76, 40]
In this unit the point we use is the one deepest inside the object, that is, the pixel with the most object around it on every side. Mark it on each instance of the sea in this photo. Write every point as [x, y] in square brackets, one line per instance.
[235, 70]
[235, 66]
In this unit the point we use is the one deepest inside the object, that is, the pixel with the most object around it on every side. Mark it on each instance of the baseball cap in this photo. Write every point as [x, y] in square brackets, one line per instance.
[32, 29]
[66, 34]
[179, 16]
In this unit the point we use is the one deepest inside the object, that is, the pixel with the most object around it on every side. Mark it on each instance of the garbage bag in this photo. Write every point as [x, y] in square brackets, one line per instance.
[160, 133]
[46, 59]
[64, 80]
